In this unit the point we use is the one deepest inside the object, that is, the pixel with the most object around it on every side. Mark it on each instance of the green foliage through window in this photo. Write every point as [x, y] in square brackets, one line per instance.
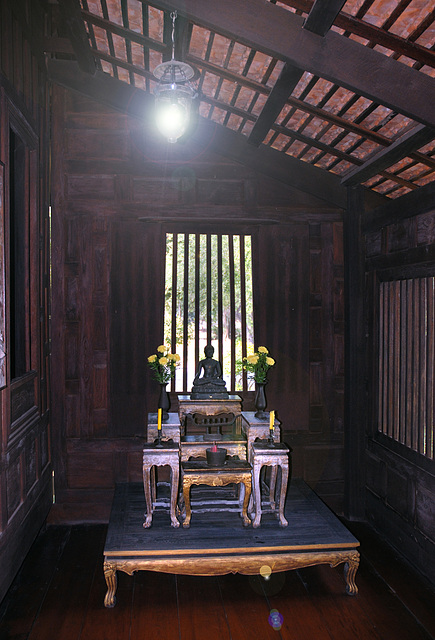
[208, 299]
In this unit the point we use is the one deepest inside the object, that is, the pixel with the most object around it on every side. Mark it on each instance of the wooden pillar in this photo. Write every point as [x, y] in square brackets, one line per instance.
[355, 356]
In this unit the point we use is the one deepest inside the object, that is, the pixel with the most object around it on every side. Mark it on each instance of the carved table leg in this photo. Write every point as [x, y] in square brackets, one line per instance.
[284, 480]
[257, 496]
[153, 481]
[247, 491]
[112, 583]
[186, 499]
[350, 569]
[272, 487]
[174, 493]
[148, 499]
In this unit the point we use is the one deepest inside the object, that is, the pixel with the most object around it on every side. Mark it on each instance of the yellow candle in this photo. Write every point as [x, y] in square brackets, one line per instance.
[272, 420]
[159, 419]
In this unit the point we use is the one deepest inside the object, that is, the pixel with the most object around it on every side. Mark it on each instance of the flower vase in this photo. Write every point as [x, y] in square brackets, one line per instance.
[164, 402]
[260, 400]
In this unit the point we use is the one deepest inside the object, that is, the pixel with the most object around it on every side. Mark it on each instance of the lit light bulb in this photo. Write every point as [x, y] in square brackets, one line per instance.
[172, 119]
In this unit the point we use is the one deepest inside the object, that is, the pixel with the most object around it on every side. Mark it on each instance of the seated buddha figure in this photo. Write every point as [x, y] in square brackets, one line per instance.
[208, 382]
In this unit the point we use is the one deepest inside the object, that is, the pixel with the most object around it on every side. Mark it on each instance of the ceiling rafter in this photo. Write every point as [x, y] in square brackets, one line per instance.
[71, 15]
[322, 15]
[127, 34]
[403, 146]
[284, 86]
[376, 35]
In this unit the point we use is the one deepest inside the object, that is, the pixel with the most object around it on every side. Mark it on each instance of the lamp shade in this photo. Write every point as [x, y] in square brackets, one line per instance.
[173, 98]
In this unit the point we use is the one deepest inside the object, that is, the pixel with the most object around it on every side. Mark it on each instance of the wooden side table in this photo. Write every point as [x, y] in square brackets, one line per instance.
[154, 456]
[273, 455]
[199, 472]
[254, 428]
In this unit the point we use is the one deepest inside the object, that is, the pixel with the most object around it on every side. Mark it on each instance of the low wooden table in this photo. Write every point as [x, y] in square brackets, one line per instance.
[199, 472]
[314, 536]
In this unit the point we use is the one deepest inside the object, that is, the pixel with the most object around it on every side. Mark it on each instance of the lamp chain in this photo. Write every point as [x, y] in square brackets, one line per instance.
[173, 15]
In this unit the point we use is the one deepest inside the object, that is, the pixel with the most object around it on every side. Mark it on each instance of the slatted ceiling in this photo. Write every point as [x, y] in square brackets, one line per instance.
[322, 123]
[406, 23]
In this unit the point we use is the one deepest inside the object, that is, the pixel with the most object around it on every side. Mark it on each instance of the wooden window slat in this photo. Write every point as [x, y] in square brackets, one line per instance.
[208, 283]
[407, 362]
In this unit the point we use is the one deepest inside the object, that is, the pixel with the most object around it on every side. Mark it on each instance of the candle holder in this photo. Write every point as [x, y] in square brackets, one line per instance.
[270, 439]
[158, 441]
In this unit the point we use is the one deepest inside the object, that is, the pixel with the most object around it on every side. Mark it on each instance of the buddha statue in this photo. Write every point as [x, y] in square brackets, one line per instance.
[208, 382]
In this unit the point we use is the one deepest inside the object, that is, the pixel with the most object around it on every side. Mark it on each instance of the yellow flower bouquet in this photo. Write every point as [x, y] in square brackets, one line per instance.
[163, 364]
[258, 364]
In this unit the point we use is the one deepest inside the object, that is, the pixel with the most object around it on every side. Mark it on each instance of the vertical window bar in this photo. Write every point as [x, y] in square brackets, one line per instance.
[423, 367]
[232, 309]
[208, 288]
[396, 358]
[403, 361]
[409, 362]
[416, 365]
[197, 296]
[186, 310]
[174, 297]
[243, 305]
[390, 362]
[430, 382]
[381, 398]
[220, 311]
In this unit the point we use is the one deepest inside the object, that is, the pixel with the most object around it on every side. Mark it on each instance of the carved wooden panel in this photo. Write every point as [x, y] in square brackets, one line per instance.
[22, 397]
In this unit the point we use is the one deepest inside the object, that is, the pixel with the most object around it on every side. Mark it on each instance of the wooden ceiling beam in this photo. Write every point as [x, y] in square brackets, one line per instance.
[374, 34]
[283, 88]
[72, 16]
[402, 147]
[279, 33]
[409, 205]
[322, 15]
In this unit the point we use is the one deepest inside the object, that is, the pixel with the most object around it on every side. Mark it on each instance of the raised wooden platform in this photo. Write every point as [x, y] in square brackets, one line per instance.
[217, 543]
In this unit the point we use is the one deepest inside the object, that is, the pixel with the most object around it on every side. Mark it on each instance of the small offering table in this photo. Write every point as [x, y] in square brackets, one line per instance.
[314, 536]
[195, 446]
[232, 471]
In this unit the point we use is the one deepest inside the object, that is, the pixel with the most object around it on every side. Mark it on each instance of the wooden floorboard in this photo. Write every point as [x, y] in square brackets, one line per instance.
[59, 591]
[154, 606]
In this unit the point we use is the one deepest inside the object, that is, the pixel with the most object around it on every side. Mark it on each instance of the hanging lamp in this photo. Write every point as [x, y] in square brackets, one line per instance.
[173, 94]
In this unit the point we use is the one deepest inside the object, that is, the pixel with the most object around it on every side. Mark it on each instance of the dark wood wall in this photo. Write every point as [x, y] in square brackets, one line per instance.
[399, 243]
[116, 191]
[25, 471]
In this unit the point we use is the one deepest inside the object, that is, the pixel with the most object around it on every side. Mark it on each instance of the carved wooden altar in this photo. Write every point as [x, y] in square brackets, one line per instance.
[314, 536]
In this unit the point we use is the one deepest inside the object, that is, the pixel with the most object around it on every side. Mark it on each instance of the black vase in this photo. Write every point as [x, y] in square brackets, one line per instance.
[260, 400]
[164, 402]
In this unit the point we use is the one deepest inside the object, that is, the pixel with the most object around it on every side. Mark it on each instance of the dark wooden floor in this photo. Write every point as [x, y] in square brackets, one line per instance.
[59, 592]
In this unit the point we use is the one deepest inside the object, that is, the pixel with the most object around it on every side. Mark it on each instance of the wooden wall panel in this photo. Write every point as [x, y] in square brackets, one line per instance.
[25, 471]
[399, 481]
[108, 306]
